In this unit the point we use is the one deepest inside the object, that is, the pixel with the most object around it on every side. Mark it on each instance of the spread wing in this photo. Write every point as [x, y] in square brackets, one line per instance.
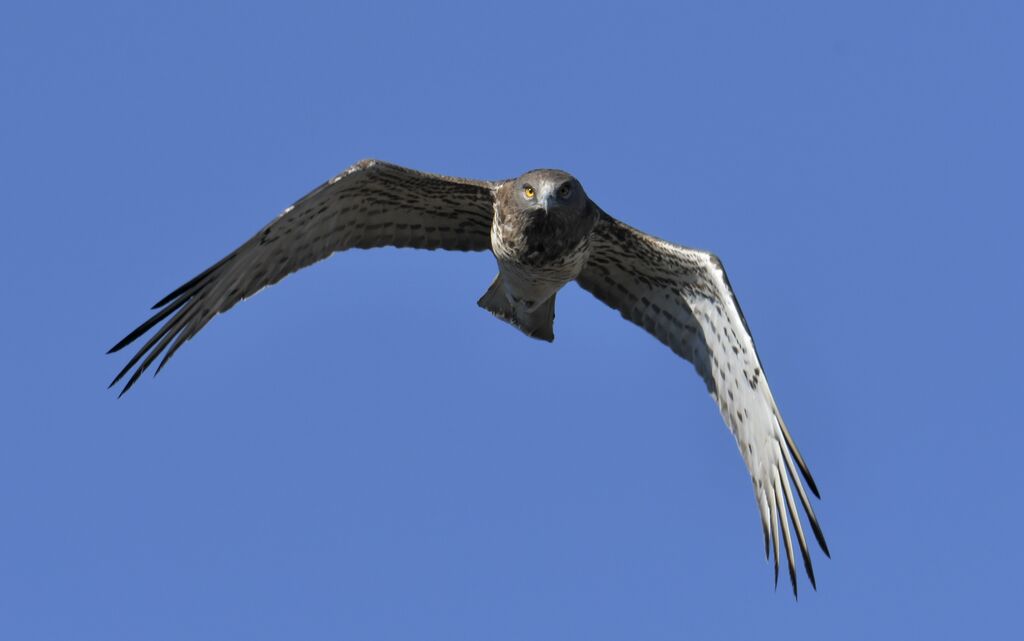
[683, 298]
[370, 204]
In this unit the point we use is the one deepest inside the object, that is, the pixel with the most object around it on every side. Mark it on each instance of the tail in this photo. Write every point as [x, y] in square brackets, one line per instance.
[540, 323]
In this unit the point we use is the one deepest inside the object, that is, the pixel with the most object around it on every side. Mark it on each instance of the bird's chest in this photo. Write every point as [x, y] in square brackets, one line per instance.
[537, 255]
[543, 245]
[539, 263]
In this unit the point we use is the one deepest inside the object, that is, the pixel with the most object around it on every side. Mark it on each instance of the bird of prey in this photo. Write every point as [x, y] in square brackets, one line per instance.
[544, 232]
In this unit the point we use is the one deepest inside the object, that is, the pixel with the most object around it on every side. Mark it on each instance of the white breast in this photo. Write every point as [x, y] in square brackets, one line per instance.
[530, 285]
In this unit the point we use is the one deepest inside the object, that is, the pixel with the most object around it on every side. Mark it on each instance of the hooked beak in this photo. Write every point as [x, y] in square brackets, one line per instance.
[547, 199]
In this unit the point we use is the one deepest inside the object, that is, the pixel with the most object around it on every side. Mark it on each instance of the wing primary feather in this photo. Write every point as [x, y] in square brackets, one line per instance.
[194, 282]
[773, 511]
[797, 525]
[175, 326]
[145, 348]
[186, 333]
[785, 532]
[811, 516]
[819, 535]
[767, 549]
[804, 470]
[145, 327]
[762, 504]
[141, 368]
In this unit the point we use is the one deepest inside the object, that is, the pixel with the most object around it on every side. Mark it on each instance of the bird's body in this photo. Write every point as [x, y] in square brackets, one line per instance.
[544, 232]
[541, 244]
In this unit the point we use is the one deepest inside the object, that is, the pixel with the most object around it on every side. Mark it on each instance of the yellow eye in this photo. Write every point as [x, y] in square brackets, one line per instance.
[528, 191]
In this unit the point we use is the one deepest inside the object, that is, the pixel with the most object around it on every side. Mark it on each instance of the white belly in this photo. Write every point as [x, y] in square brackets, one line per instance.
[530, 285]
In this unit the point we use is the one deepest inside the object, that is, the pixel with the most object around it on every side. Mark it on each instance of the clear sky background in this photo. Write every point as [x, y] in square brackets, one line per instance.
[361, 453]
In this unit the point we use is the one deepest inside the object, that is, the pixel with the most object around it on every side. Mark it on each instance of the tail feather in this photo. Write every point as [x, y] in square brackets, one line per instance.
[536, 324]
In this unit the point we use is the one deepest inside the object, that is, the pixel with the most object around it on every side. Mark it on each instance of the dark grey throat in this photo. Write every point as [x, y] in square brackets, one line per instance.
[550, 234]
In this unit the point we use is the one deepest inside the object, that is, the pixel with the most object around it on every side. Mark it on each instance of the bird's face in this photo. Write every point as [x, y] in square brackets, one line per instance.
[550, 192]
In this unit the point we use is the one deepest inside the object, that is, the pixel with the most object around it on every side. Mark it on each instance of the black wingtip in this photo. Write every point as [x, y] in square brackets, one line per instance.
[810, 573]
[131, 381]
[793, 580]
[123, 342]
[127, 386]
[819, 536]
[812, 486]
[135, 376]
[805, 472]
[192, 284]
[138, 331]
[123, 371]
[150, 322]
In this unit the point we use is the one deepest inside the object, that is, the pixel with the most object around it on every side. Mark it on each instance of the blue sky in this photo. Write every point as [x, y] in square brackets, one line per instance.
[360, 452]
